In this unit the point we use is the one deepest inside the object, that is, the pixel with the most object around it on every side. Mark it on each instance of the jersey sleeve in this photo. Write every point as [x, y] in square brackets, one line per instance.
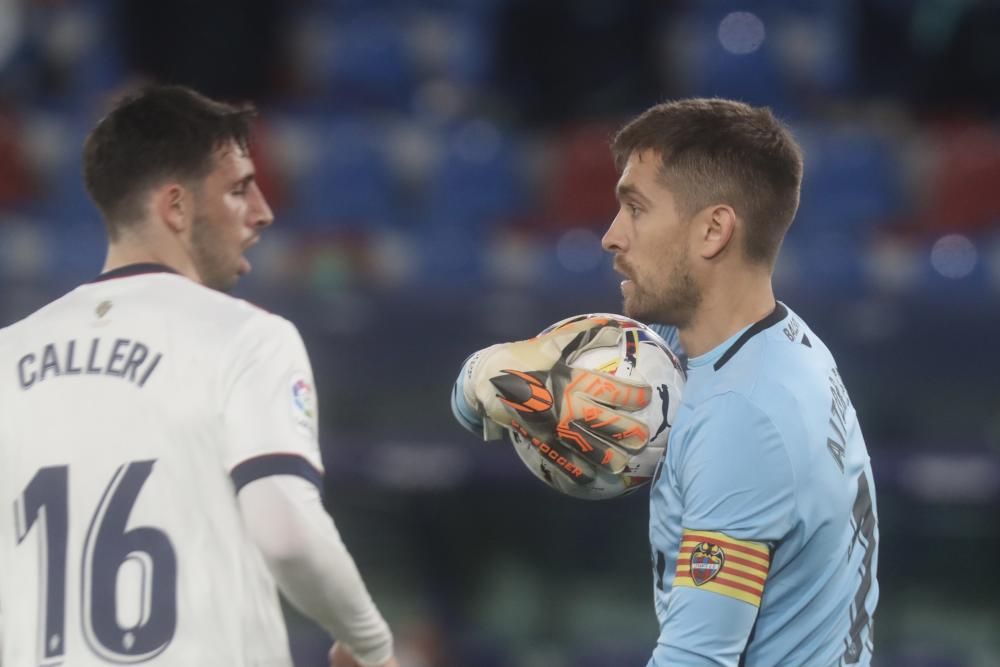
[311, 565]
[738, 496]
[270, 410]
[462, 410]
[734, 473]
[464, 414]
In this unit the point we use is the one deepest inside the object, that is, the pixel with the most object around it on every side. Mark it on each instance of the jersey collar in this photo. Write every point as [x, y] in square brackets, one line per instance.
[722, 353]
[779, 313]
[128, 270]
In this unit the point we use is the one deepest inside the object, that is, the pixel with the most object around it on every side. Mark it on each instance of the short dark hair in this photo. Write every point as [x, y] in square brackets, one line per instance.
[159, 132]
[723, 151]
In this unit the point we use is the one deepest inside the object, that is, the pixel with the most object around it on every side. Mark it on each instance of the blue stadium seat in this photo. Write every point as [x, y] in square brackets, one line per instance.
[850, 189]
[475, 186]
[851, 179]
[806, 53]
[369, 63]
[463, 46]
[348, 183]
[826, 260]
[88, 67]
[476, 179]
[64, 197]
[824, 61]
[754, 77]
[80, 246]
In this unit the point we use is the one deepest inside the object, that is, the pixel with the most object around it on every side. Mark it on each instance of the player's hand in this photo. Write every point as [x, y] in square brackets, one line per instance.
[582, 416]
[340, 656]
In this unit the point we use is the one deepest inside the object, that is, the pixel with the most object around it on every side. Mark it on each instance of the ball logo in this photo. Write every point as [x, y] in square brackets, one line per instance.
[707, 560]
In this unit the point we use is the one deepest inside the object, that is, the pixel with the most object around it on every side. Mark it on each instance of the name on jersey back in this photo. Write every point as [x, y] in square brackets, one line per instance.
[127, 359]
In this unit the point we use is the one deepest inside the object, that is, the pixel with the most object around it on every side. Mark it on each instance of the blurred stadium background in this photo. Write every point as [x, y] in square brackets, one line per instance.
[440, 177]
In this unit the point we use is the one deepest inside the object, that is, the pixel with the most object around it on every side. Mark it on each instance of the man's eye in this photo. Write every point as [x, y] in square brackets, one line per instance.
[634, 210]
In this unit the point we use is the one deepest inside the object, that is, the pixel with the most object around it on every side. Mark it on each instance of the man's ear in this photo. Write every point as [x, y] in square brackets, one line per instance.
[171, 204]
[717, 229]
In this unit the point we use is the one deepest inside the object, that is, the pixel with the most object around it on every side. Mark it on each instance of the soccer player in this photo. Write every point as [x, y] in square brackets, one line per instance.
[159, 463]
[763, 522]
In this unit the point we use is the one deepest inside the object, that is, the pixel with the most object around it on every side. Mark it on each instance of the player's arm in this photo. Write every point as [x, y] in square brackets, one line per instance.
[285, 517]
[738, 497]
[273, 454]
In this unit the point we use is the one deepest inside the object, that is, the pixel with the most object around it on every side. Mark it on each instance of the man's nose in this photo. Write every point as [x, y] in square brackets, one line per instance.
[615, 239]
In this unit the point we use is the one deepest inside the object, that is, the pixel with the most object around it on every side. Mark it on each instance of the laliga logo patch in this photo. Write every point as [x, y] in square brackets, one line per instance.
[707, 560]
[303, 403]
[302, 395]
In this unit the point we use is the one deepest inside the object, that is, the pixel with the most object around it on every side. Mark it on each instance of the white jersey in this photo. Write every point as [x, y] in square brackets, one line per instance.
[130, 410]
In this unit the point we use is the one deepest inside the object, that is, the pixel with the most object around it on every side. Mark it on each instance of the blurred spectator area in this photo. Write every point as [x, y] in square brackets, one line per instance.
[441, 178]
[450, 151]
[463, 133]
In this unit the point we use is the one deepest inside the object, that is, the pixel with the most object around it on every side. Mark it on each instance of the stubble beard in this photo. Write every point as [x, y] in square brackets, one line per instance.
[208, 256]
[675, 305]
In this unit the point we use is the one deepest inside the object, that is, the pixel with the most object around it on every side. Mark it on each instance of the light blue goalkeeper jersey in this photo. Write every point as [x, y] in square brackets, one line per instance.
[763, 522]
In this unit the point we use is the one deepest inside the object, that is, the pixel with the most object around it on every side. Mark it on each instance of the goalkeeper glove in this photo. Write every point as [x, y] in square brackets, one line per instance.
[532, 387]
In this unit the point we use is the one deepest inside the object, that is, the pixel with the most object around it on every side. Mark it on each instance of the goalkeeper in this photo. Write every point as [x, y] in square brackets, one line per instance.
[763, 524]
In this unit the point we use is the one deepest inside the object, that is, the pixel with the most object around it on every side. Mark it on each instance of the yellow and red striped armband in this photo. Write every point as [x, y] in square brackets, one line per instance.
[718, 563]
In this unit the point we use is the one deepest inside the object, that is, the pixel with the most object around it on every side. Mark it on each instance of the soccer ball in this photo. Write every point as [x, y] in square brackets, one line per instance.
[654, 364]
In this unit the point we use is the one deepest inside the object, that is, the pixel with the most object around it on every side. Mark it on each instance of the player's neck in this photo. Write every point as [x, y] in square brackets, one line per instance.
[725, 310]
[124, 252]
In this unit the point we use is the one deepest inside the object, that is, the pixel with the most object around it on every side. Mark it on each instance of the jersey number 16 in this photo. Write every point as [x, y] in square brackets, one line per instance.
[107, 548]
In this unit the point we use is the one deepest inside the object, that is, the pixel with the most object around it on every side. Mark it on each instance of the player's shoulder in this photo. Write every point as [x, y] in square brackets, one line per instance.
[189, 299]
[779, 353]
[234, 309]
[246, 323]
[731, 444]
[731, 415]
[40, 318]
[778, 367]
[242, 332]
[212, 314]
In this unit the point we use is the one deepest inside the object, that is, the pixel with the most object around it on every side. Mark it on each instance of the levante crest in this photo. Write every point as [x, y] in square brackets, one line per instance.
[707, 560]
